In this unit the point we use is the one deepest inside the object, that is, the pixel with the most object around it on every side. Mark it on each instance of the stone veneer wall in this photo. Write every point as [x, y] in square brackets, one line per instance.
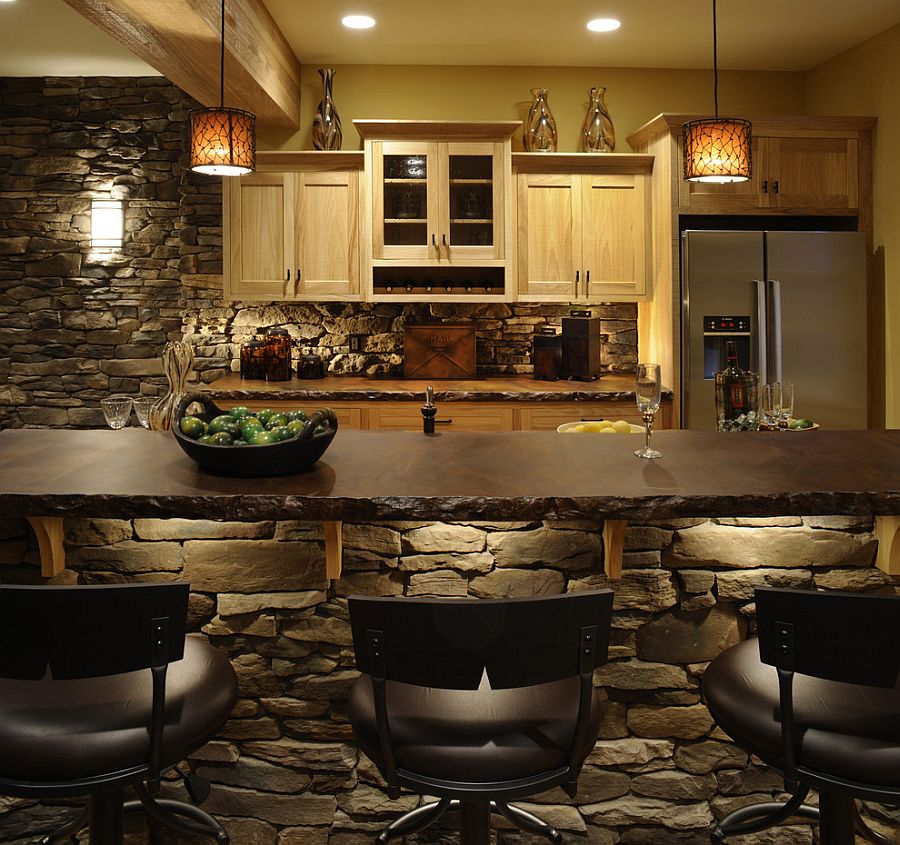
[285, 768]
[76, 325]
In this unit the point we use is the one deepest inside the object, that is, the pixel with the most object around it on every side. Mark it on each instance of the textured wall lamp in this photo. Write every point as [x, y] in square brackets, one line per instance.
[223, 141]
[107, 224]
[716, 149]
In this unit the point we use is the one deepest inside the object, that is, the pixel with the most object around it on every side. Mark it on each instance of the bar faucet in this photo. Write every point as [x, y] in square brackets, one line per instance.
[429, 410]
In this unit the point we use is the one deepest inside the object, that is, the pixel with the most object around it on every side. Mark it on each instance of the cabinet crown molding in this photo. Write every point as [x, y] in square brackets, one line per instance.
[437, 130]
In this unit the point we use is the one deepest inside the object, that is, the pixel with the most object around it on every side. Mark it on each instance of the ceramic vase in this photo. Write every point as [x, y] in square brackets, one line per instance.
[540, 127]
[326, 130]
[598, 134]
[177, 359]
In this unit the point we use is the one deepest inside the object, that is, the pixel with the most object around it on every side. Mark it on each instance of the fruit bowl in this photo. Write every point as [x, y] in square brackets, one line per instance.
[283, 458]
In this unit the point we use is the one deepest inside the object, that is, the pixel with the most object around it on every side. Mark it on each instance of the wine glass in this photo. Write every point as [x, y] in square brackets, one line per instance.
[786, 406]
[647, 392]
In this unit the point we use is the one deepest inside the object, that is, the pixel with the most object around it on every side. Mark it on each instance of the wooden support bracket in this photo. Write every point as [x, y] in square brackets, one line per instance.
[49, 533]
[334, 549]
[613, 546]
[887, 532]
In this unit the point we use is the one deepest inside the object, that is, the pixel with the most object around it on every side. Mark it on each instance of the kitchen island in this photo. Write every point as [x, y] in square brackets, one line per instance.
[378, 476]
[494, 403]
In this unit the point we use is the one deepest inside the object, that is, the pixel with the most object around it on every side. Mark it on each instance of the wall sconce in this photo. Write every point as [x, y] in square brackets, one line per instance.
[107, 224]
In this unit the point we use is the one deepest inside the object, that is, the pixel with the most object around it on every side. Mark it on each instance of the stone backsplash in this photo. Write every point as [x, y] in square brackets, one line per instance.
[285, 769]
[76, 325]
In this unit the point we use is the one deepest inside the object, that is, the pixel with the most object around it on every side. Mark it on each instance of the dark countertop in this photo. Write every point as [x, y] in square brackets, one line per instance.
[613, 387]
[381, 475]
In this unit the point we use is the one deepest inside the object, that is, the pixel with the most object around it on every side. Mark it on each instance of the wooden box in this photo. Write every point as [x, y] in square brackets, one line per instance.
[439, 351]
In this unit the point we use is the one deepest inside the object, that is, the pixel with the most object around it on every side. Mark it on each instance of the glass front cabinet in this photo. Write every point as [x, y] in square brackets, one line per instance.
[440, 212]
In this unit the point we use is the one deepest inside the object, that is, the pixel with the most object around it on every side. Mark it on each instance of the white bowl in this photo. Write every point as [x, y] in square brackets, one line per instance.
[635, 429]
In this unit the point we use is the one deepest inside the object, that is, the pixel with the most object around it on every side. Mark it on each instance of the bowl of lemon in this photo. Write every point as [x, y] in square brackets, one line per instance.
[248, 444]
[600, 427]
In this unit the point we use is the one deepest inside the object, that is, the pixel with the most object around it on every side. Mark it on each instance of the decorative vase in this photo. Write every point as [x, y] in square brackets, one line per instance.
[540, 128]
[598, 134]
[326, 130]
[177, 359]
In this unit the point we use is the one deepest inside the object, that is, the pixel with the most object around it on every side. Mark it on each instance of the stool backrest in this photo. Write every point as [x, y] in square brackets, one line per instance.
[90, 631]
[450, 643]
[837, 636]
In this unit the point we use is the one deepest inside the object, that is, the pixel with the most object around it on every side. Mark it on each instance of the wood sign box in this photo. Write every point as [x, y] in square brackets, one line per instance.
[439, 351]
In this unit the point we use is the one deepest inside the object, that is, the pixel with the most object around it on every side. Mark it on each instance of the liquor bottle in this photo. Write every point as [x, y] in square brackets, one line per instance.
[736, 395]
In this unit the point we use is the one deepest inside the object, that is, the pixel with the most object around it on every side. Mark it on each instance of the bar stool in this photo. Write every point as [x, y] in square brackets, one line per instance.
[816, 698]
[478, 702]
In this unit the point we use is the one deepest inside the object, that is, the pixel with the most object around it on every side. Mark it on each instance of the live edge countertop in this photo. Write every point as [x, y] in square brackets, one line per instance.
[383, 475]
[611, 387]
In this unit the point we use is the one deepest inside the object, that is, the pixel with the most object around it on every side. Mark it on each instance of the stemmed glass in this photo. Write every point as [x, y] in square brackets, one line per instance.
[647, 392]
[778, 404]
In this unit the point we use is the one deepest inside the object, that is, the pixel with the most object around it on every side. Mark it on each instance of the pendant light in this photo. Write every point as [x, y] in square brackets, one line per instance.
[223, 141]
[716, 149]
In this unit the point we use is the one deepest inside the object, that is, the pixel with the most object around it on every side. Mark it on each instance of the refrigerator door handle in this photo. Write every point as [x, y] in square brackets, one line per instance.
[761, 331]
[776, 326]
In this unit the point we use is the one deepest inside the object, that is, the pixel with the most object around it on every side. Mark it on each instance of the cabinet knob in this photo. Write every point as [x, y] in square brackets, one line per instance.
[775, 186]
[765, 186]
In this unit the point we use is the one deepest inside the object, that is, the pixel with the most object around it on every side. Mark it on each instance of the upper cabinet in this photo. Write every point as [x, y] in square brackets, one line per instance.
[438, 216]
[292, 228]
[583, 225]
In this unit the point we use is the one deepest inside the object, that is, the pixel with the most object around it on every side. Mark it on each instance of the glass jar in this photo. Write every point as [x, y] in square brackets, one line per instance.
[253, 360]
[278, 354]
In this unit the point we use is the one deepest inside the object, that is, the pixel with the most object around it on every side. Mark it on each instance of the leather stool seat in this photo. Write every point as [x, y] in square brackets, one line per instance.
[849, 730]
[479, 735]
[91, 726]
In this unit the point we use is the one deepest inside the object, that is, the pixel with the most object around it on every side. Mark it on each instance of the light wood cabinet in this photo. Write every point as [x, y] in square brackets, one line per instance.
[583, 236]
[809, 173]
[293, 234]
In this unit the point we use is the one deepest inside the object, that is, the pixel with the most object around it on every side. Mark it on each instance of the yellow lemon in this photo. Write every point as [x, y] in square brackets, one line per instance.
[608, 430]
[622, 427]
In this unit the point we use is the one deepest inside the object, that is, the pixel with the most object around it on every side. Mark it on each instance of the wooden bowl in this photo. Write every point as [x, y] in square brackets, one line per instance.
[284, 458]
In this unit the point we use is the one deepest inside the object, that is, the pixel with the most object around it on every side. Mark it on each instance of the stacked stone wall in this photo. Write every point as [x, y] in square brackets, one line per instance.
[78, 324]
[285, 768]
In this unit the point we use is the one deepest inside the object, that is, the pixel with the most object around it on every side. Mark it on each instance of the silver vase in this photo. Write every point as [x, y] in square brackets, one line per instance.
[540, 128]
[326, 130]
[598, 134]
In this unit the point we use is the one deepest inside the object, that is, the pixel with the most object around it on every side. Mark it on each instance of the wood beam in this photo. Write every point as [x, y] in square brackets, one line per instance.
[613, 547]
[180, 38]
[334, 549]
[49, 533]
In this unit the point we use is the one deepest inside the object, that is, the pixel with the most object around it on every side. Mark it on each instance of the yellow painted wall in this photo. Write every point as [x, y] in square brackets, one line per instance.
[865, 81]
[634, 95]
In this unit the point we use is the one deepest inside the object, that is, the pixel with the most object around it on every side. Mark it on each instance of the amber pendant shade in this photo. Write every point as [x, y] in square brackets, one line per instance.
[223, 141]
[717, 150]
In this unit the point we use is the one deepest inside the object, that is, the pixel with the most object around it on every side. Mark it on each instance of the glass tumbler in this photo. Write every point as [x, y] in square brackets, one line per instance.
[117, 410]
[142, 406]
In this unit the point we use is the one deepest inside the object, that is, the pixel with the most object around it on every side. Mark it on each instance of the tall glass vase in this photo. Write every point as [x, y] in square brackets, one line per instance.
[540, 127]
[177, 360]
[598, 134]
[326, 130]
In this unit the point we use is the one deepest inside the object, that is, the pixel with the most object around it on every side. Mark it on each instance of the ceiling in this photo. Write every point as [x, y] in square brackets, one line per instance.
[46, 37]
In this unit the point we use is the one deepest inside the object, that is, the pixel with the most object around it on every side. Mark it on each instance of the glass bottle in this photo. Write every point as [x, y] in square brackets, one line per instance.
[737, 400]
[598, 134]
[540, 127]
[326, 129]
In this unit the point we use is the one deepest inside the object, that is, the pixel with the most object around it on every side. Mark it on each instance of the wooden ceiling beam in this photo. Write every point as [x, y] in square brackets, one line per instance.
[180, 38]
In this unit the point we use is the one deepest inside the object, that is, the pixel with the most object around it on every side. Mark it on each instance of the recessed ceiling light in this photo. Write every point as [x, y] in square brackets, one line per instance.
[603, 24]
[358, 22]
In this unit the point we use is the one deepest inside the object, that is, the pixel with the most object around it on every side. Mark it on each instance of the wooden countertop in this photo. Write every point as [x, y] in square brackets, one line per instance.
[372, 475]
[613, 387]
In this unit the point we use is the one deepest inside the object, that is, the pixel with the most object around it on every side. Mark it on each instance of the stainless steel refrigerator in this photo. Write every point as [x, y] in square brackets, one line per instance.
[795, 305]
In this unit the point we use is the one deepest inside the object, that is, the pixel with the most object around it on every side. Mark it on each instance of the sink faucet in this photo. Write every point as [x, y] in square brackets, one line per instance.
[429, 410]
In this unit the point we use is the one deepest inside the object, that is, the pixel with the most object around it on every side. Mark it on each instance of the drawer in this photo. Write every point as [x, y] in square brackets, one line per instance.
[548, 416]
[451, 416]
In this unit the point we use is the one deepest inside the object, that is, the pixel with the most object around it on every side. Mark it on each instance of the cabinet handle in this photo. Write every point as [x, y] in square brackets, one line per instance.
[289, 274]
[577, 280]
[444, 239]
[587, 282]
[444, 422]
[298, 274]
[765, 186]
[775, 186]
[433, 240]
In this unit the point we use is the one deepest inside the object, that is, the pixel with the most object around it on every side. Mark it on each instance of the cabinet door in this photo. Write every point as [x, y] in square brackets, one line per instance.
[472, 201]
[326, 211]
[405, 207]
[549, 235]
[259, 236]
[728, 197]
[812, 173]
[615, 236]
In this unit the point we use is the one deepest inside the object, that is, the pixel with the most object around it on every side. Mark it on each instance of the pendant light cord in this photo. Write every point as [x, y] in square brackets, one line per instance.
[222, 58]
[715, 55]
